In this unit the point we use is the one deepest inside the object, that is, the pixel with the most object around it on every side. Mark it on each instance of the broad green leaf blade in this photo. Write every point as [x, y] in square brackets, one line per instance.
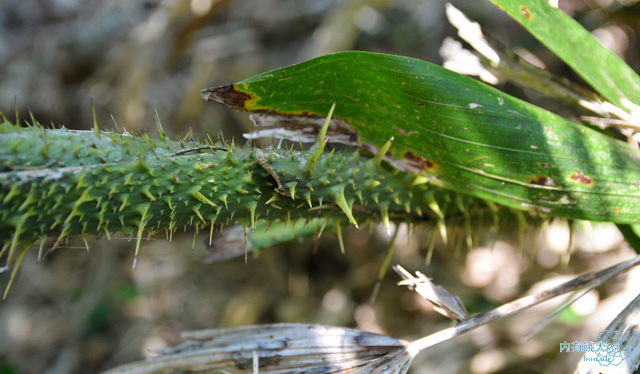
[601, 68]
[464, 135]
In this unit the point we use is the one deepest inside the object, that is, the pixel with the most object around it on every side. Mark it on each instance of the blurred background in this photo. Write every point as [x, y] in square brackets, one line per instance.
[79, 312]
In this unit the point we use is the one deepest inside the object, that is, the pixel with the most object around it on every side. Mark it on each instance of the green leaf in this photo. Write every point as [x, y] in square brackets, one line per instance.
[630, 233]
[601, 68]
[462, 134]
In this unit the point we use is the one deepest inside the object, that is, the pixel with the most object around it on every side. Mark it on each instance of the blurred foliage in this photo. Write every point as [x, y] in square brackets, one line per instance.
[79, 313]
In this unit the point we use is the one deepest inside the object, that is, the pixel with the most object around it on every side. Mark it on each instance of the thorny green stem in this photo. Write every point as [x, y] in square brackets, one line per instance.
[61, 183]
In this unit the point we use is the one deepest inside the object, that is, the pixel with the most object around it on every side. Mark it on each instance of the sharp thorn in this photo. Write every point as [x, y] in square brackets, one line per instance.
[323, 130]
[377, 159]
[430, 246]
[246, 234]
[338, 197]
[292, 190]
[96, 130]
[159, 125]
[311, 161]
[339, 233]
[442, 227]
[16, 265]
[384, 214]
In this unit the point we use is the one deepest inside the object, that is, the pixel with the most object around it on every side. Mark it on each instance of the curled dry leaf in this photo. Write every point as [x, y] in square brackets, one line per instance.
[443, 302]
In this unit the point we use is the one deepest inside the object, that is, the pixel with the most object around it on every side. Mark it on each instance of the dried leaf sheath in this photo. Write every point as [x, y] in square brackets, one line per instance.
[301, 348]
[281, 348]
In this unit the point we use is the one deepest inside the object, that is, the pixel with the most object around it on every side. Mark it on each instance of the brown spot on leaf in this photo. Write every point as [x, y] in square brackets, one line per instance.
[525, 12]
[579, 177]
[541, 180]
[419, 162]
[421, 104]
[545, 165]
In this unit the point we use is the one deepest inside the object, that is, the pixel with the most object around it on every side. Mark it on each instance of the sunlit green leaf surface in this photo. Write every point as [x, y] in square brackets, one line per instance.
[601, 68]
[464, 135]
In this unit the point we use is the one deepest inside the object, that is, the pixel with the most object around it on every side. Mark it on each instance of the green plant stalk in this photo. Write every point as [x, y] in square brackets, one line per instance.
[59, 183]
